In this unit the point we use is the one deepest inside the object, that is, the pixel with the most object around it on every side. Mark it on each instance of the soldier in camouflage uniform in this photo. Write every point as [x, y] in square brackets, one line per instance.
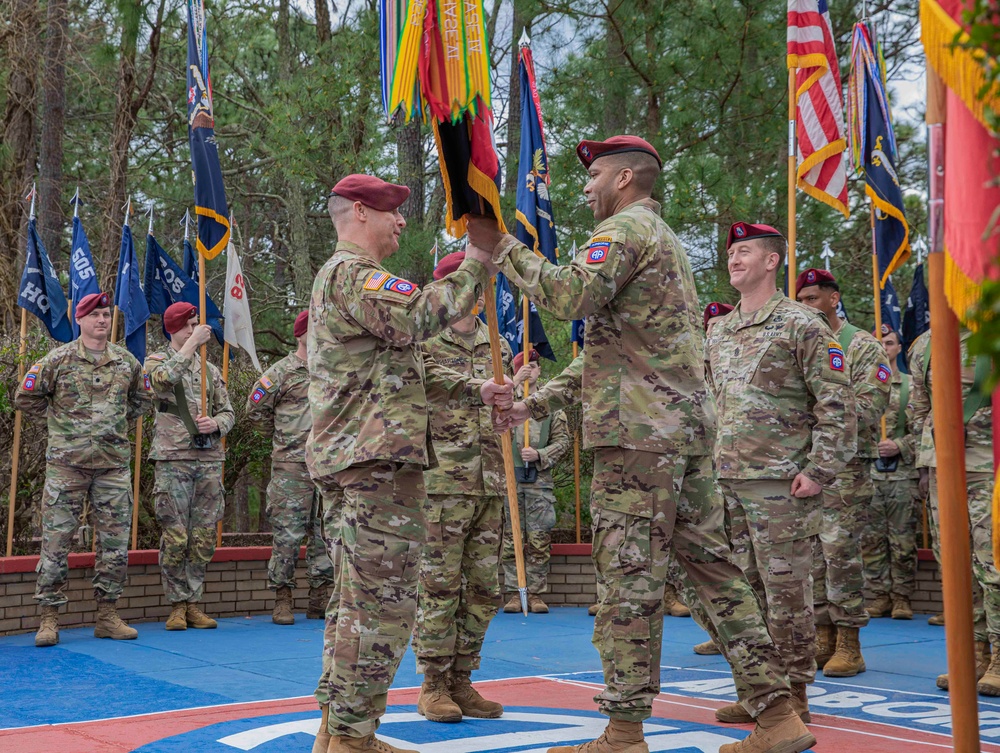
[549, 440]
[369, 391]
[188, 451]
[786, 427]
[889, 546]
[89, 391]
[978, 420]
[458, 591]
[648, 414]
[278, 407]
[838, 567]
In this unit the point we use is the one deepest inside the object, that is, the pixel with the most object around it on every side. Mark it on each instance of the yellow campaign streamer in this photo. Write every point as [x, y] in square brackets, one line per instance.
[476, 51]
[452, 26]
[404, 75]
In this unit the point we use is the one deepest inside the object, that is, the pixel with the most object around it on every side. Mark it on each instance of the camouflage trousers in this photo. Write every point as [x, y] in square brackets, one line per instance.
[537, 508]
[459, 588]
[772, 540]
[382, 530]
[189, 501]
[293, 508]
[889, 546]
[643, 505]
[985, 580]
[66, 491]
[837, 569]
[333, 510]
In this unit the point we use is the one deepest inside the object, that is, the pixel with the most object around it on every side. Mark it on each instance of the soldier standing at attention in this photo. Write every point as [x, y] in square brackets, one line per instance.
[648, 414]
[787, 426]
[838, 567]
[369, 389]
[458, 591]
[535, 496]
[890, 545]
[188, 451]
[278, 407]
[89, 391]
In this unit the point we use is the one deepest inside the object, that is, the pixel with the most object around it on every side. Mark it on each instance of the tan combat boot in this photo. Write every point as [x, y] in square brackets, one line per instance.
[592, 609]
[672, 605]
[178, 616]
[367, 744]
[618, 737]
[322, 741]
[734, 713]
[435, 700]
[110, 625]
[983, 661]
[847, 660]
[826, 640]
[989, 683]
[937, 620]
[282, 612]
[513, 604]
[901, 609]
[800, 702]
[198, 619]
[467, 698]
[536, 605]
[779, 730]
[319, 597]
[708, 648]
[48, 627]
[880, 607]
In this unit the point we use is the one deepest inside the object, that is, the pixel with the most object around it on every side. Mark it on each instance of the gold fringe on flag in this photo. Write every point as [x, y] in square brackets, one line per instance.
[961, 291]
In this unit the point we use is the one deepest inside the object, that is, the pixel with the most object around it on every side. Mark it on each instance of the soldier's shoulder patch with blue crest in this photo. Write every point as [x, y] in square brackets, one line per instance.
[836, 356]
[146, 381]
[882, 373]
[598, 249]
[258, 395]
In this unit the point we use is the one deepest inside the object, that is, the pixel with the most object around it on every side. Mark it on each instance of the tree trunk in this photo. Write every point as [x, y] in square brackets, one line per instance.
[410, 164]
[322, 22]
[51, 216]
[17, 162]
[615, 100]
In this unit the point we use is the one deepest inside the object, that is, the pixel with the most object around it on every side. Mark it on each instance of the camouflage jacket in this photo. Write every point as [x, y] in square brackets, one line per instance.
[278, 407]
[88, 404]
[369, 385]
[171, 439]
[783, 387]
[917, 412]
[978, 429]
[905, 468]
[870, 374]
[558, 442]
[642, 372]
[466, 447]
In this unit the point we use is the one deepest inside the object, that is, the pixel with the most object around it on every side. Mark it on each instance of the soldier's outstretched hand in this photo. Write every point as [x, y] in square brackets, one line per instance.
[498, 395]
[483, 232]
[504, 420]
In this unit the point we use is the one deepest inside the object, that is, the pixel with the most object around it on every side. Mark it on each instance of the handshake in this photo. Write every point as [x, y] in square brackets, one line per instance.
[506, 413]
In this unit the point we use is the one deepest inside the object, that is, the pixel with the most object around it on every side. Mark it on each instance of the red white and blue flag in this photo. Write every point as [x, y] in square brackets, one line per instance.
[819, 117]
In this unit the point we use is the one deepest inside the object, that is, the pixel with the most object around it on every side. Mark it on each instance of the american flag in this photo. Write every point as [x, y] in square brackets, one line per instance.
[820, 129]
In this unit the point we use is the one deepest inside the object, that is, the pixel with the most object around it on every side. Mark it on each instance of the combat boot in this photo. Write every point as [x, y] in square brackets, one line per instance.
[322, 741]
[618, 737]
[467, 698]
[282, 612]
[536, 605]
[708, 648]
[513, 604]
[367, 744]
[110, 625]
[734, 713]
[901, 609]
[178, 616]
[800, 702]
[198, 619]
[983, 661]
[989, 683]
[435, 700]
[48, 627]
[937, 620]
[779, 730]
[847, 660]
[673, 605]
[319, 597]
[880, 607]
[592, 609]
[826, 639]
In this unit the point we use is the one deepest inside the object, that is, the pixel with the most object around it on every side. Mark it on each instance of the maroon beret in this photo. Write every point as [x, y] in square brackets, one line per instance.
[744, 231]
[177, 315]
[372, 192]
[714, 309]
[519, 358]
[449, 264]
[588, 151]
[301, 324]
[812, 276]
[90, 302]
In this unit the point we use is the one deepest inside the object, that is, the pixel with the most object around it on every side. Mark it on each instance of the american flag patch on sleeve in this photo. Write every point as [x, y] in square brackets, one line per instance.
[375, 280]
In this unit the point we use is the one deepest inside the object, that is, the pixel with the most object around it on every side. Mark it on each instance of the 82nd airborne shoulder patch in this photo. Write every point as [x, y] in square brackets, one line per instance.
[882, 373]
[31, 377]
[598, 249]
[836, 356]
[147, 382]
[258, 395]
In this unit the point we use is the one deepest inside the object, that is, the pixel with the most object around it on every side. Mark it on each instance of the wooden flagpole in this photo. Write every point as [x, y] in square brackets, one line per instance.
[526, 349]
[792, 181]
[508, 450]
[136, 476]
[576, 460]
[877, 292]
[16, 450]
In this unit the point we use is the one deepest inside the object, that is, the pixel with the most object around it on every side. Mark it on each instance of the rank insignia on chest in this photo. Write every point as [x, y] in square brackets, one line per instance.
[882, 373]
[258, 395]
[836, 357]
[146, 381]
[29, 382]
[267, 383]
[403, 287]
[598, 250]
[375, 280]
